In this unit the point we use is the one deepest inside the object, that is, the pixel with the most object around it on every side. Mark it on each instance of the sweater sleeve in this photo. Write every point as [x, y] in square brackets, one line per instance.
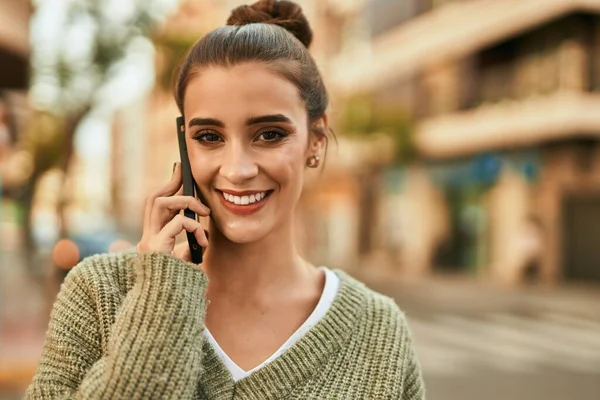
[155, 345]
[413, 386]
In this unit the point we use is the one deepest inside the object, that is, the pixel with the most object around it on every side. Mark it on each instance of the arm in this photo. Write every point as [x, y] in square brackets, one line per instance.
[155, 346]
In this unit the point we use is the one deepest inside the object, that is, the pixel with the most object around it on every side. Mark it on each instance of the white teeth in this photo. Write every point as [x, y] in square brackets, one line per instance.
[244, 200]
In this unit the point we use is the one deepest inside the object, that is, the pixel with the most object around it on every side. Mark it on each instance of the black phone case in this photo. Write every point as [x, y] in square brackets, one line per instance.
[188, 189]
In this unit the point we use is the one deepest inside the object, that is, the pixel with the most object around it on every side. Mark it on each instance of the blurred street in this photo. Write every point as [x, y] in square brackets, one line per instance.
[481, 342]
[23, 322]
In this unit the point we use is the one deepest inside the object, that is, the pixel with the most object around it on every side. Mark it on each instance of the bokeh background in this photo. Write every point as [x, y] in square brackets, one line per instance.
[464, 182]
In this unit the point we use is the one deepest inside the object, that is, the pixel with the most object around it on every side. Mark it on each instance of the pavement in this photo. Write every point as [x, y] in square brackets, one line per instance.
[474, 340]
[24, 313]
[479, 341]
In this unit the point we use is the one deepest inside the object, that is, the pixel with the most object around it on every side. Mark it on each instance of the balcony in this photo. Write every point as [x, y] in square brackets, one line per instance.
[447, 33]
[510, 124]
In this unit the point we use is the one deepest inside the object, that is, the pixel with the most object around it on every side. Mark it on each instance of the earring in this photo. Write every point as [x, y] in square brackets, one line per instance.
[313, 162]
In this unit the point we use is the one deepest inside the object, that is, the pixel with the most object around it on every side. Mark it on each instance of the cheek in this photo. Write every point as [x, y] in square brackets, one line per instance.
[204, 167]
[287, 168]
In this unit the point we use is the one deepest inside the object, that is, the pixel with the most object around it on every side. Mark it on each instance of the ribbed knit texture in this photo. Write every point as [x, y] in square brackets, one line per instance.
[129, 326]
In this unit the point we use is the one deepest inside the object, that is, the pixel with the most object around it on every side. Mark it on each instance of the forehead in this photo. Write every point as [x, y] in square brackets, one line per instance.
[244, 90]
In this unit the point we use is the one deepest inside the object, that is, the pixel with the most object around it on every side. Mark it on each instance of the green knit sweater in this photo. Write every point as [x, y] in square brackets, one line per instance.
[129, 326]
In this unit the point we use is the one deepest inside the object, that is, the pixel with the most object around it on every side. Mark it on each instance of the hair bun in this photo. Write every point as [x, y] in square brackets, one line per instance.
[284, 13]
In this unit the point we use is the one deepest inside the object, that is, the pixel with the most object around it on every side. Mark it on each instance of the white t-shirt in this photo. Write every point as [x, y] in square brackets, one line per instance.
[332, 282]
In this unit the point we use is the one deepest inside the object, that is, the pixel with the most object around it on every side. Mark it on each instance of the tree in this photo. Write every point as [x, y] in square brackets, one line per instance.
[80, 49]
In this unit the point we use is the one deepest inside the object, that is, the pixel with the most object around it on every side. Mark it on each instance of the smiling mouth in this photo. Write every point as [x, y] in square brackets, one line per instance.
[245, 200]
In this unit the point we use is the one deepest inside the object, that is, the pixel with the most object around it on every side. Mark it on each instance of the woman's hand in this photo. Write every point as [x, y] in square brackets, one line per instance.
[163, 219]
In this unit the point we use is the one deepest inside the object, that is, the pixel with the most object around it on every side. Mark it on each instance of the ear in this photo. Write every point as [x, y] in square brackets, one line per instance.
[317, 139]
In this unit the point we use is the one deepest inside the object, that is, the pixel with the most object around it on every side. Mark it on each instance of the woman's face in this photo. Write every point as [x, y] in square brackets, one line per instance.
[248, 142]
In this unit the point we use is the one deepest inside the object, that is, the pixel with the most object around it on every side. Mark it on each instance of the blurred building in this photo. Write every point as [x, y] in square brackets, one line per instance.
[14, 64]
[14, 79]
[14, 67]
[14, 43]
[504, 95]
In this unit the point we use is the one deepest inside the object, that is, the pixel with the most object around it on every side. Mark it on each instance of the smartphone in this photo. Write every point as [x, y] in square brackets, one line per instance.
[189, 189]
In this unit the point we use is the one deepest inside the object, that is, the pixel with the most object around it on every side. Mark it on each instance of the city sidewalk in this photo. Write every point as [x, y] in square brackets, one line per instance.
[476, 340]
[24, 307]
[457, 292]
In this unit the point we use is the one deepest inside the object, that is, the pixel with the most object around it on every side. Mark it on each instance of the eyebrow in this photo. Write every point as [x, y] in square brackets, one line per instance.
[268, 118]
[250, 121]
[206, 121]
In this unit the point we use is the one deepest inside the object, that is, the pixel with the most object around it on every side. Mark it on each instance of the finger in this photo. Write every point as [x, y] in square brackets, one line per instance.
[147, 210]
[175, 177]
[181, 203]
[196, 228]
[165, 209]
[179, 223]
[201, 237]
[174, 184]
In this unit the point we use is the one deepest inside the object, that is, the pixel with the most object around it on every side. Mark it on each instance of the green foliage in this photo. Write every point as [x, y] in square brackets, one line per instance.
[362, 116]
[173, 49]
[46, 136]
[356, 118]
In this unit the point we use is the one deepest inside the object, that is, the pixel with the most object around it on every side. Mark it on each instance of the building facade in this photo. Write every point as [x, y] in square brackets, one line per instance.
[14, 80]
[503, 95]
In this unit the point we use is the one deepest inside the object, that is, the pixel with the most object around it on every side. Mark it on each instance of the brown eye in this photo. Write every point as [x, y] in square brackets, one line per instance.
[207, 137]
[272, 136]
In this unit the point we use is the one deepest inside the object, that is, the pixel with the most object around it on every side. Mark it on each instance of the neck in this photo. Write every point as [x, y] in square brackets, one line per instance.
[264, 268]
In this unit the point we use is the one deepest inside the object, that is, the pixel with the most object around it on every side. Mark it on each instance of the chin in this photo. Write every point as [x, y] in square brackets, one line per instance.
[242, 232]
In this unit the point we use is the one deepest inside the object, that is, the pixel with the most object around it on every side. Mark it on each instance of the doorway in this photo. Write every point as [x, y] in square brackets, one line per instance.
[581, 237]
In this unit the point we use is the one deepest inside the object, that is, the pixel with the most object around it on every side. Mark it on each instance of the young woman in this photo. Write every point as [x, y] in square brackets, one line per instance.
[254, 320]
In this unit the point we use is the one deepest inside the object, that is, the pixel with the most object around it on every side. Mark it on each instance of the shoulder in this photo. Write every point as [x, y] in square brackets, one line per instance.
[381, 339]
[380, 320]
[377, 307]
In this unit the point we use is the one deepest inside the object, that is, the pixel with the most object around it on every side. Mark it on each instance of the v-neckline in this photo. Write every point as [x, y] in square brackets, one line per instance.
[231, 364]
[291, 368]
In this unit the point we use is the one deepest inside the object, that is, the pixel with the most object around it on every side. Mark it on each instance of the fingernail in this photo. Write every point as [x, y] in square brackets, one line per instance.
[174, 166]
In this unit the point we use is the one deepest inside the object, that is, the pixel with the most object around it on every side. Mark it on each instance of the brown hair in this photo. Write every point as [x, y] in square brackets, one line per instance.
[272, 32]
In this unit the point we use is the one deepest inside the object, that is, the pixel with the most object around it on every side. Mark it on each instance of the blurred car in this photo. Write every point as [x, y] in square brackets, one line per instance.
[67, 252]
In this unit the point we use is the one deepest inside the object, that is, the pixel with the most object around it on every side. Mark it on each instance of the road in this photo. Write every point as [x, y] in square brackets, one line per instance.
[475, 341]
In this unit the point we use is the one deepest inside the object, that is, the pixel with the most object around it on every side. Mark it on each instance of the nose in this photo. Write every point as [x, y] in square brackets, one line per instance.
[238, 166]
